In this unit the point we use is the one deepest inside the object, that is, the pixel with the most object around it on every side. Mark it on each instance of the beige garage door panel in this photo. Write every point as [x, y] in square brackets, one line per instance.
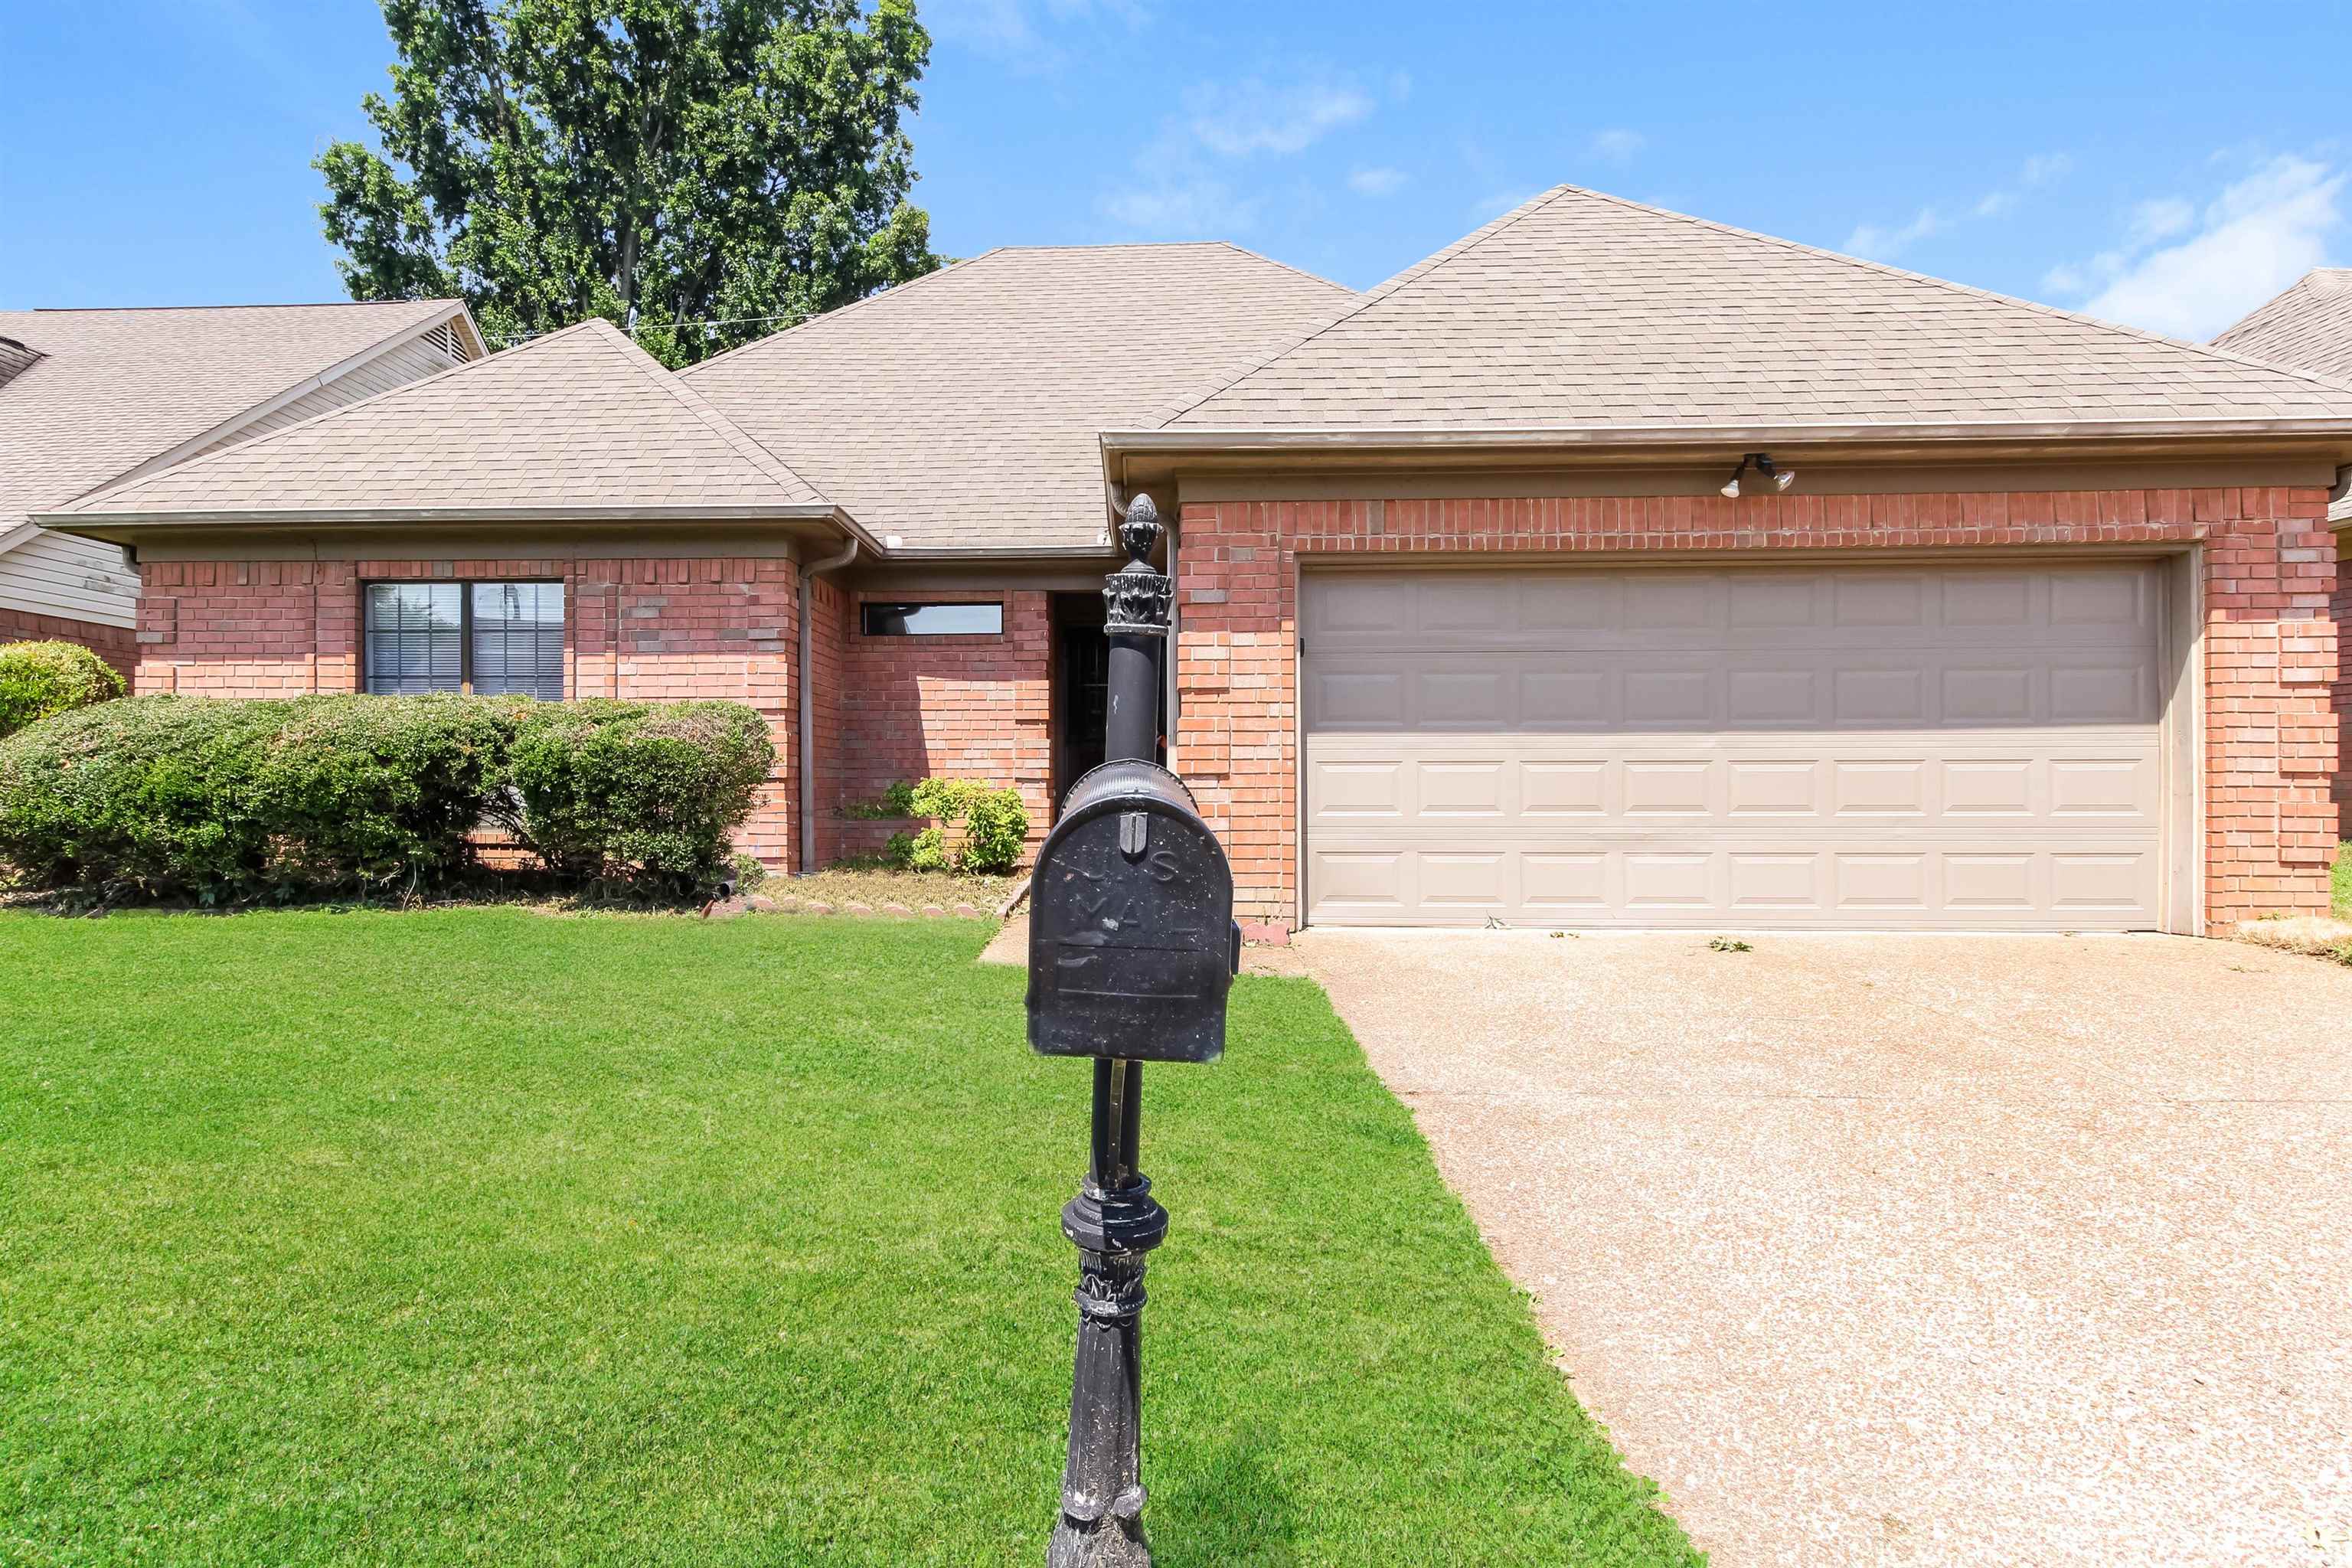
[1921, 746]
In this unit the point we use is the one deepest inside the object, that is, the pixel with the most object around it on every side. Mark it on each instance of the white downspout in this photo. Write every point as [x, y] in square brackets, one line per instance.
[806, 708]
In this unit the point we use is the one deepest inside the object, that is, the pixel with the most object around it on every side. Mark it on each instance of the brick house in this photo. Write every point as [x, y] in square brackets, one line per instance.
[1609, 567]
[90, 398]
[2310, 326]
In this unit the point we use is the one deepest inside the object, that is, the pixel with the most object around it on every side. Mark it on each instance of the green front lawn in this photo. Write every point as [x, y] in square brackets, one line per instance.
[2344, 882]
[488, 1237]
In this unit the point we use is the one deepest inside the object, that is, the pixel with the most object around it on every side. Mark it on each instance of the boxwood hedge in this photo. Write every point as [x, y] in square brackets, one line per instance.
[629, 789]
[39, 679]
[240, 801]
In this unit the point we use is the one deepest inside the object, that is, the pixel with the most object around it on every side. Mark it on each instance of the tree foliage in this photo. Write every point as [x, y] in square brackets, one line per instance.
[662, 163]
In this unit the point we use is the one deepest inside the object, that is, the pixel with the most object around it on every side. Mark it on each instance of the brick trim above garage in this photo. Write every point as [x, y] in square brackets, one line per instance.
[2269, 643]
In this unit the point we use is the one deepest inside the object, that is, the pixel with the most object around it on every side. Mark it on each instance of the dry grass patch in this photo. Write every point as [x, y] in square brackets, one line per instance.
[874, 886]
[2321, 936]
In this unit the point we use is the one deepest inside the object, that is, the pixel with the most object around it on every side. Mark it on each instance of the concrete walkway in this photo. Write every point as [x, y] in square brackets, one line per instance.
[1913, 1250]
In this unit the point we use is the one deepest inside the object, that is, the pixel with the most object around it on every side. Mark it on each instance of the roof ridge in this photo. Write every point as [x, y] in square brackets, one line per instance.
[265, 305]
[1378, 292]
[185, 464]
[1286, 266]
[2206, 350]
[840, 311]
[773, 468]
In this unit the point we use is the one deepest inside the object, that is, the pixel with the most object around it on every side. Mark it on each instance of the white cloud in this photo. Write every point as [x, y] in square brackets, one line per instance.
[2161, 219]
[1183, 209]
[1876, 243]
[1249, 117]
[2044, 167]
[1021, 30]
[1617, 144]
[2257, 237]
[1377, 181]
[1183, 185]
[1881, 242]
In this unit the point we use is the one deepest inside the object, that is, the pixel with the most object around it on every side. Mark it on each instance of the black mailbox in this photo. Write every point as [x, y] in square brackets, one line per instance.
[1132, 944]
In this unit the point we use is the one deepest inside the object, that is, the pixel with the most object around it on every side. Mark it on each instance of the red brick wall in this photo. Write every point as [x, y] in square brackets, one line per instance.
[829, 610]
[113, 644]
[644, 630]
[2270, 569]
[2341, 606]
[960, 707]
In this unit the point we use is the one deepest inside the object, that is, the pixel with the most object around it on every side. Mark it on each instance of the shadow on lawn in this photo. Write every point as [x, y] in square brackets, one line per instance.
[1234, 1511]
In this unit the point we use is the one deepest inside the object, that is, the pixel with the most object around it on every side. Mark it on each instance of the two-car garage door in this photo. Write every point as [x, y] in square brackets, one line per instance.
[1916, 746]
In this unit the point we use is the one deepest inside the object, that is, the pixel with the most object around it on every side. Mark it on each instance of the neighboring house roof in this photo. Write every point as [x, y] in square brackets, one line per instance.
[112, 391]
[579, 423]
[2310, 326]
[92, 396]
[960, 412]
[1581, 313]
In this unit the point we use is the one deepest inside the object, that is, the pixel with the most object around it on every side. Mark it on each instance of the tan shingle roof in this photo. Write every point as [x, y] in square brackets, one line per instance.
[2308, 326]
[1583, 311]
[962, 410]
[580, 422]
[114, 388]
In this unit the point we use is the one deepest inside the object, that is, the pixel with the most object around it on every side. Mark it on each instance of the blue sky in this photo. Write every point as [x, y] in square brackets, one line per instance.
[2164, 163]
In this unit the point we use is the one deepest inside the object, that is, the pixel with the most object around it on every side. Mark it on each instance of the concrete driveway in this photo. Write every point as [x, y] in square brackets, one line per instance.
[1913, 1249]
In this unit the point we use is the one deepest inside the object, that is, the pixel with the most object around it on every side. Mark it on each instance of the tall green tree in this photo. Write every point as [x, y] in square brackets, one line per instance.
[699, 172]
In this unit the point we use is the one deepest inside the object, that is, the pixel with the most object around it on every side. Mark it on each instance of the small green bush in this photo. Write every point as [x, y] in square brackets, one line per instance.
[241, 800]
[994, 821]
[42, 680]
[995, 833]
[637, 790]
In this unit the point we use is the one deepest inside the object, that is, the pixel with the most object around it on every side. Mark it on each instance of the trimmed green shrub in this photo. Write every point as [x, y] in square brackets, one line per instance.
[241, 800]
[238, 801]
[995, 831]
[995, 826]
[41, 679]
[637, 790]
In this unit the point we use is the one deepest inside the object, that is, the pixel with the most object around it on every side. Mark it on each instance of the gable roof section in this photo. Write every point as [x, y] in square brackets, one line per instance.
[2309, 326]
[1581, 313]
[111, 390]
[962, 412]
[579, 423]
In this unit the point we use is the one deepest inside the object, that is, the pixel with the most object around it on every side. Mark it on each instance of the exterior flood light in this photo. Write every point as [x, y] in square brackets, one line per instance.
[1765, 467]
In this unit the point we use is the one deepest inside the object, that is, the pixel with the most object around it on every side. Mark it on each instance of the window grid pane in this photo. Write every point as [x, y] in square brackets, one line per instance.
[518, 639]
[414, 641]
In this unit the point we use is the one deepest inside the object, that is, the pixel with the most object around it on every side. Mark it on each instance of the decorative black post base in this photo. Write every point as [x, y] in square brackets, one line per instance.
[1102, 1487]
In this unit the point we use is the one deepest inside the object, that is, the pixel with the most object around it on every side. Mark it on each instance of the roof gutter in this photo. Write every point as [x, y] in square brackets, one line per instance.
[1658, 436]
[95, 522]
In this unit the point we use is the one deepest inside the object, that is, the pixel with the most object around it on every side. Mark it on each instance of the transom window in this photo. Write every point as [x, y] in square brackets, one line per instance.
[975, 619]
[494, 638]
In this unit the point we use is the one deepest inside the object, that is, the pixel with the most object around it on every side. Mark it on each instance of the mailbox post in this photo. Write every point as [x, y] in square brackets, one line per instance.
[1133, 947]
